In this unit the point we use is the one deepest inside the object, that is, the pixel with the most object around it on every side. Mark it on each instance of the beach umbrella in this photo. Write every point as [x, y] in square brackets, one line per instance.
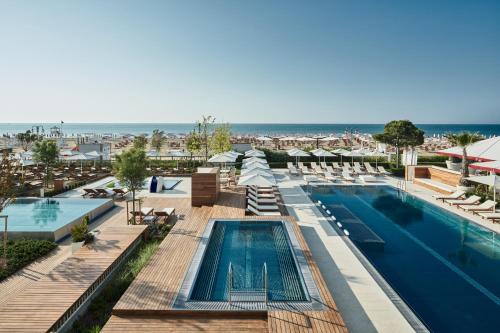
[329, 138]
[152, 153]
[490, 180]
[177, 154]
[253, 159]
[232, 152]
[264, 138]
[287, 138]
[256, 171]
[222, 158]
[352, 154]
[255, 153]
[376, 154]
[256, 180]
[252, 165]
[322, 153]
[255, 166]
[297, 153]
[80, 157]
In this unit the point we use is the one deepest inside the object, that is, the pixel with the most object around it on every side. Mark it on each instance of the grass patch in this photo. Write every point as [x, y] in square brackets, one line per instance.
[23, 252]
[99, 310]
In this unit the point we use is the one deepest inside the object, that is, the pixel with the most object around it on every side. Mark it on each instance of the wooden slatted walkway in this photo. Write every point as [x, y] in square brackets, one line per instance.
[147, 304]
[45, 302]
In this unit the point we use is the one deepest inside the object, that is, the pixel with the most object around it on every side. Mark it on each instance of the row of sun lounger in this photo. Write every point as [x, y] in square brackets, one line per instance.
[263, 201]
[104, 192]
[472, 204]
[329, 170]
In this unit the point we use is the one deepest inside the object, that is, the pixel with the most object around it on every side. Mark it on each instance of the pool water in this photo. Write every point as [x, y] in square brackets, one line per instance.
[47, 214]
[445, 267]
[247, 245]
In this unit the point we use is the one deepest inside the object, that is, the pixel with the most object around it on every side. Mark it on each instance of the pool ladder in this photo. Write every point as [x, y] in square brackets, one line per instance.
[250, 294]
[401, 185]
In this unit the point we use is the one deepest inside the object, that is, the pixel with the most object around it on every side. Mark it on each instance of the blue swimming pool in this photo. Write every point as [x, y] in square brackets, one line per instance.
[39, 217]
[247, 246]
[445, 267]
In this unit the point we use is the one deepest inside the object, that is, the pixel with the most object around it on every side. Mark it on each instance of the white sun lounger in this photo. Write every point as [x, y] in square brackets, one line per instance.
[488, 205]
[330, 169]
[454, 196]
[305, 170]
[494, 217]
[347, 165]
[358, 170]
[382, 170]
[336, 165]
[347, 176]
[367, 178]
[262, 200]
[330, 177]
[472, 200]
[262, 213]
[323, 165]
[370, 169]
[262, 207]
[313, 165]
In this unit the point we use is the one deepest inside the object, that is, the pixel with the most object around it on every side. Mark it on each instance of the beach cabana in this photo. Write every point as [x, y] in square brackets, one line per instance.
[491, 166]
[481, 151]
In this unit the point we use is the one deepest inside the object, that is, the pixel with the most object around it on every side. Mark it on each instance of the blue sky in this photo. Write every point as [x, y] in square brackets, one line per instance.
[250, 61]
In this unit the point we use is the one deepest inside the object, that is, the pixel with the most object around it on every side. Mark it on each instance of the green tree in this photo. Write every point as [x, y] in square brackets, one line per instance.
[464, 140]
[204, 132]
[8, 191]
[46, 152]
[221, 139]
[27, 139]
[140, 142]
[130, 168]
[157, 139]
[193, 143]
[400, 133]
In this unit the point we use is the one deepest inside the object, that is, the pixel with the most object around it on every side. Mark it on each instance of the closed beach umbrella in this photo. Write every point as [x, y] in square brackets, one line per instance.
[256, 180]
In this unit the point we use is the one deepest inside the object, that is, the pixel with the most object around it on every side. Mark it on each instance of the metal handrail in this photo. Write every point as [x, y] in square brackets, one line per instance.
[230, 279]
[264, 279]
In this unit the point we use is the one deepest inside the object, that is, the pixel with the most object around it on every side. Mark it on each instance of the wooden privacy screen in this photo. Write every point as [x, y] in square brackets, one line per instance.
[205, 187]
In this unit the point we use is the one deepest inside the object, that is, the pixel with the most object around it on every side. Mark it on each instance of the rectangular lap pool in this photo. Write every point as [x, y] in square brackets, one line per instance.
[50, 218]
[446, 268]
[250, 263]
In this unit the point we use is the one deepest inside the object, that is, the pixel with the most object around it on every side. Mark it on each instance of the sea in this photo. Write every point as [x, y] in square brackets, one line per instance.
[72, 129]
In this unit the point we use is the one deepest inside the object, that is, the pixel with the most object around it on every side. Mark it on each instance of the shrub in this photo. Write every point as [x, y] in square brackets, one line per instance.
[80, 232]
[22, 252]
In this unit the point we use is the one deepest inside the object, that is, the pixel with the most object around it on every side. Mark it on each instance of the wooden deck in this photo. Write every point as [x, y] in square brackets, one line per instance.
[147, 303]
[42, 305]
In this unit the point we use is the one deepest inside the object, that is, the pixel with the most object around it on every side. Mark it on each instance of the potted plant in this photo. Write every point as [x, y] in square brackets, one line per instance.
[80, 234]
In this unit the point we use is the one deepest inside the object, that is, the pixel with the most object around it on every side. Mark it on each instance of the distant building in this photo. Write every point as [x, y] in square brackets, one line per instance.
[103, 148]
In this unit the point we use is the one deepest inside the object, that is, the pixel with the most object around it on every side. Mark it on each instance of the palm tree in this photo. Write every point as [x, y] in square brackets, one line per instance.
[464, 140]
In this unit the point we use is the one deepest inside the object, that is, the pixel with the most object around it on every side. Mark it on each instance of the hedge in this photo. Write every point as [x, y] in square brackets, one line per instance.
[22, 252]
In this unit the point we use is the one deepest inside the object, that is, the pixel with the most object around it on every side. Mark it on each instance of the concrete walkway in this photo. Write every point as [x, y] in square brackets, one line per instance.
[364, 305]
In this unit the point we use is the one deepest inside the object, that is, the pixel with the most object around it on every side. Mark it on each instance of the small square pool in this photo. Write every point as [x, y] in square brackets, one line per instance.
[50, 218]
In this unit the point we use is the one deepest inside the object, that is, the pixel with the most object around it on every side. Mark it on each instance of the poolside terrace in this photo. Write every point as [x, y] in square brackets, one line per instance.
[147, 305]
